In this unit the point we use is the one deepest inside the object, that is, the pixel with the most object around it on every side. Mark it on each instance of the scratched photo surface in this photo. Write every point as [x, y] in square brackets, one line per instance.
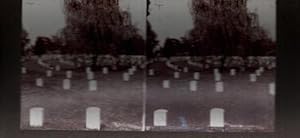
[148, 65]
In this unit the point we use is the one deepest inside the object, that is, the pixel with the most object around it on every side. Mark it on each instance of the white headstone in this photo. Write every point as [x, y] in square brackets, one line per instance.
[66, 84]
[232, 72]
[216, 71]
[93, 118]
[126, 76]
[252, 77]
[185, 69]
[272, 88]
[217, 117]
[105, 70]
[218, 77]
[193, 85]
[133, 68]
[57, 68]
[36, 117]
[176, 75]
[166, 84]
[24, 70]
[90, 75]
[39, 82]
[196, 75]
[258, 72]
[93, 85]
[151, 72]
[160, 117]
[130, 71]
[49, 73]
[88, 69]
[219, 86]
[69, 74]
[262, 69]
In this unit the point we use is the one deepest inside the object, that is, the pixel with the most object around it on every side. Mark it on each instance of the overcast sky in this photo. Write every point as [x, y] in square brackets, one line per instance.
[169, 18]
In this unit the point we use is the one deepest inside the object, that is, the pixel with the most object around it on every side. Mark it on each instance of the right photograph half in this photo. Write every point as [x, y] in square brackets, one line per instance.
[211, 65]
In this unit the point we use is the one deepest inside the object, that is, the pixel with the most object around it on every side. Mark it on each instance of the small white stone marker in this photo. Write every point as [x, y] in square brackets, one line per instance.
[196, 75]
[105, 70]
[218, 77]
[93, 85]
[90, 75]
[24, 70]
[216, 71]
[185, 69]
[39, 82]
[57, 68]
[88, 69]
[36, 117]
[49, 73]
[262, 69]
[252, 77]
[126, 76]
[66, 84]
[217, 117]
[232, 72]
[130, 71]
[219, 86]
[93, 118]
[176, 75]
[258, 72]
[69, 74]
[166, 84]
[151, 72]
[160, 117]
[133, 68]
[193, 85]
[272, 88]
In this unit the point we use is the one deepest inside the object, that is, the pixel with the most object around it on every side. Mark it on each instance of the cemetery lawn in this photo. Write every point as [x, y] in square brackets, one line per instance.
[248, 105]
[120, 102]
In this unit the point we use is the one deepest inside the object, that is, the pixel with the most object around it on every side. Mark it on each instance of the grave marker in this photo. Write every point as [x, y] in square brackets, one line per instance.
[57, 68]
[24, 70]
[185, 69]
[160, 117]
[252, 78]
[39, 82]
[93, 118]
[88, 69]
[196, 75]
[69, 74]
[193, 85]
[218, 77]
[272, 88]
[36, 117]
[151, 72]
[258, 72]
[49, 73]
[90, 75]
[232, 72]
[219, 86]
[176, 75]
[166, 84]
[126, 76]
[92, 85]
[66, 84]
[217, 117]
[105, 70]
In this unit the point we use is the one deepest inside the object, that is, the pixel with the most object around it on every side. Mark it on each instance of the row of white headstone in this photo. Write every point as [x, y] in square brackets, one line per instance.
[93, 117]
[216, 117]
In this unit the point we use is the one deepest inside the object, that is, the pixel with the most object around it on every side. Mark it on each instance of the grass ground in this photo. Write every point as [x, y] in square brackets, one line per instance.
[246, 104]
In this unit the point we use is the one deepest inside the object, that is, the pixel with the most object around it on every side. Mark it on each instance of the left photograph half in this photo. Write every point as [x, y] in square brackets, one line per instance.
[83, 65]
